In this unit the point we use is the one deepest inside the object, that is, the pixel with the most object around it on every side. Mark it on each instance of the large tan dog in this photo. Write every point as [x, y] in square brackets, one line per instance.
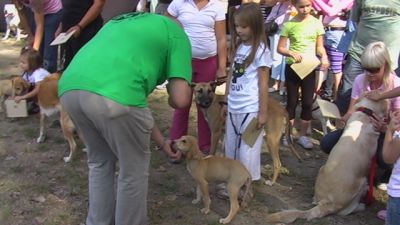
[11, 87]
[277, 122]
[215, 168]
[342, 181]
[49, 104]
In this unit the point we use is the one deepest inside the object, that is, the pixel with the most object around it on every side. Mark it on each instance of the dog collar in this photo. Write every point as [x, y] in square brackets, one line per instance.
[367, 111]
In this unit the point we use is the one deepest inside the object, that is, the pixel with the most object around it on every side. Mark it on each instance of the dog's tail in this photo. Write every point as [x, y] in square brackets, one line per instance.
[248, 193]
[288, 130]
[289, 216]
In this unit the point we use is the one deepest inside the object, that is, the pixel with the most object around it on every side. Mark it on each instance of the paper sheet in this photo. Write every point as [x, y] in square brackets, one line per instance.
[62, 38]
[14, 109]
[220, 90]
[251, 133]
[306, 66]
[328, 109]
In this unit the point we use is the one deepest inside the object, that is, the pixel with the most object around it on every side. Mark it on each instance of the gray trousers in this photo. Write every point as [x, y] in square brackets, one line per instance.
[112, 132]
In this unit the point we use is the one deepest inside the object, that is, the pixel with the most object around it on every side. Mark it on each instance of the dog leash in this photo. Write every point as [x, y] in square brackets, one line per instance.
[238, 134]
[367, 111]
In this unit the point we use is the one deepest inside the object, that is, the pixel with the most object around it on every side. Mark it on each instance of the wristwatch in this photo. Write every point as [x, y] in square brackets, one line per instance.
[396, 134]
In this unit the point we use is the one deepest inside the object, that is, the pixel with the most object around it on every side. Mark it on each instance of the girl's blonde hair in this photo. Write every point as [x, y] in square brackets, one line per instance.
[376, 55]
[250, 15]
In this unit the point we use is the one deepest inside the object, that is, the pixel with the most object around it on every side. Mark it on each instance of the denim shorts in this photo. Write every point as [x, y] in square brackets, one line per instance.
[393, 211]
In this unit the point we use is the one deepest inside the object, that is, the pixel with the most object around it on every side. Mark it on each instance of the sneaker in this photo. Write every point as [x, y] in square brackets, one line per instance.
[285, 141]
[305, 142]
[162, 86]
[272, 89]
[382, 186]
[382, 214]
[282, 92]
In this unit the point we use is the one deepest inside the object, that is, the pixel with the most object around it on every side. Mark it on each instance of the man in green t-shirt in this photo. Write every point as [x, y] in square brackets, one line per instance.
[105, 90]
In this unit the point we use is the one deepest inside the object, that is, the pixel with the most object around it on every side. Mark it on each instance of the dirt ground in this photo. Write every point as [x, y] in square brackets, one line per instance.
[38, 188]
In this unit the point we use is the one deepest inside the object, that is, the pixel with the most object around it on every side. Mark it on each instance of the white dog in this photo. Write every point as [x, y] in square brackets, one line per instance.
[317, 115]
[342, 182]
[12, 21]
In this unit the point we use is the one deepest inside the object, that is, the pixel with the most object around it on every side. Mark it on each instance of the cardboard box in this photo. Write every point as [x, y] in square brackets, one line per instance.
[14, 109]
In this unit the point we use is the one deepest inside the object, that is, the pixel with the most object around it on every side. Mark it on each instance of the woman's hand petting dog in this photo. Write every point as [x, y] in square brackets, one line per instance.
[379, 124]
[374, 95]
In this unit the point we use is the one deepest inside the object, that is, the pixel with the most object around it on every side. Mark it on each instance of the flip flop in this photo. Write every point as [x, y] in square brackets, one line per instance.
[382, 214]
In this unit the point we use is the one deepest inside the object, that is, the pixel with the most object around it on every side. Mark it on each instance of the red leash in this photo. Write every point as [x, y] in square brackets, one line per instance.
[369, 197]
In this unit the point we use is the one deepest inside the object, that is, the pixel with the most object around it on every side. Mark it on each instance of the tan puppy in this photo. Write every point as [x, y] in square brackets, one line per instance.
[277, 122]
[342, 181]
[11, 87]
[211, 104]
[49, 104]
[215, 168]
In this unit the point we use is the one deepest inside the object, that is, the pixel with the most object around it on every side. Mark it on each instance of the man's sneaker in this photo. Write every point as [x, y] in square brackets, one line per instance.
[272, 89]
[305, 142]
[285, 141]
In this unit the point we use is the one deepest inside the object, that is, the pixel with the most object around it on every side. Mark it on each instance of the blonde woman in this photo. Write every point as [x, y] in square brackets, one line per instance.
[377, 76]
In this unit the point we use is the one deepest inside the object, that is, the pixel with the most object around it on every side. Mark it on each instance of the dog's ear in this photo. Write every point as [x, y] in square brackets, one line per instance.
[193, 84]
[214, 85]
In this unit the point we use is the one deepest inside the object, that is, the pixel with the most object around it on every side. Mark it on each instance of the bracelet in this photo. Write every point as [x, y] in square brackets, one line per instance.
[79, 26]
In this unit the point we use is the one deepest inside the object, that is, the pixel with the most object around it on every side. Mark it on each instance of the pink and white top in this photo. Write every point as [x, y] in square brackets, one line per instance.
[359, 88]
[280, 13]
[331, 9]
[49, 6]
[199, 25]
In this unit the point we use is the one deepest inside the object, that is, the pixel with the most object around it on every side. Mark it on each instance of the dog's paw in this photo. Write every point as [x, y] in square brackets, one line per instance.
[269, 182]
[195, 201]
[67, 159]
[41, 139]
[205, 210]
[224, 220]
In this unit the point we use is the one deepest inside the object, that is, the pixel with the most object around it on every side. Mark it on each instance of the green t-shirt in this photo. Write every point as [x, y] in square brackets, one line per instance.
[128, 57]
[302, 36]
[377, 20]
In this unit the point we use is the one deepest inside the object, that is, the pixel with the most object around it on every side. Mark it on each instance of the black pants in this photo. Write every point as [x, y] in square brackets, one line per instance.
[307, 85]
[329, 141]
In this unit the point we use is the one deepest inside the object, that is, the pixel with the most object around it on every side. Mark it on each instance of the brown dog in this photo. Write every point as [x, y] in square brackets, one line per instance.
[342, 181]
[278, 120]
[215, 168]
[11, 87]
[49, 104]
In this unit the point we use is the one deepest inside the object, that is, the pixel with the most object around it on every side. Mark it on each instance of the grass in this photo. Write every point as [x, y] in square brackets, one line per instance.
[8, 186]
[30, 133]
[5, 213]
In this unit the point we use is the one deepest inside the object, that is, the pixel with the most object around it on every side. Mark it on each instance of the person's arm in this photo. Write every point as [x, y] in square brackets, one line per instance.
[180, 93]
[31, 94]
[391, 146]
[93, 12]
[38, 13]
[158, 138]
[263, 78]
[377, 95]
[321, 52]
[220, 33]
[350, 111]
[283, 50]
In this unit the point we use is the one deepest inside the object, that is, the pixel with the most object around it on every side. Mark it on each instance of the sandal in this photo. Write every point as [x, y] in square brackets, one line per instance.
[382, 214]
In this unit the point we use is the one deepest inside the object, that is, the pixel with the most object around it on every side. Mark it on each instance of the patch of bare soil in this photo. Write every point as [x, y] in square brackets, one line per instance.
[38, 188]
